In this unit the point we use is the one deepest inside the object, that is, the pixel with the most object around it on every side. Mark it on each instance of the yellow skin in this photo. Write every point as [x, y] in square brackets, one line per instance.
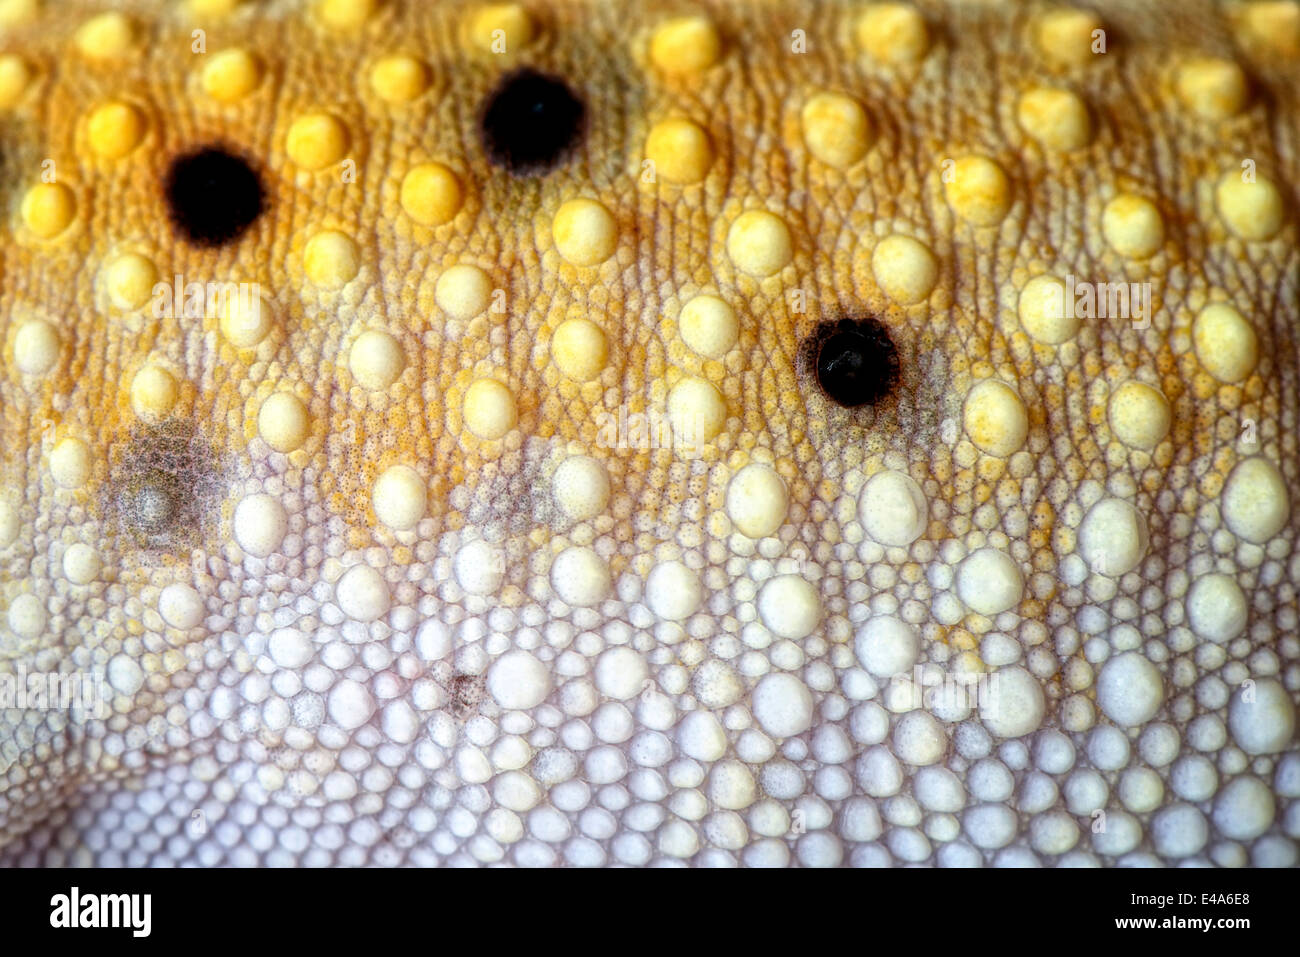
[956, 137]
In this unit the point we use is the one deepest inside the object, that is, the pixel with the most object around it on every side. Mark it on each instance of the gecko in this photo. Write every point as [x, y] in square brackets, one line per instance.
[565, 433]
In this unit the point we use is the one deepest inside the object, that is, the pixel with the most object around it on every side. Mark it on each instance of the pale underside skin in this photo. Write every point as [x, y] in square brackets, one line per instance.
[275, 727]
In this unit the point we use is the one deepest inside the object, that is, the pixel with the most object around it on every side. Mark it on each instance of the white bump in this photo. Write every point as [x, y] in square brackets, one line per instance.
[36, 347]
[1244, 809]
[1013, 704]
[181, 606]
[581, 487]
[732, 786]
[70, 463]
[789, 607]
[289, 648]
[716, 684]
[701, 736]
[580, 576]
[350, 704]
[783, 705]
[893, 508]
[1216, 608]
[1256, 504]
[673, 591]
[433, 640]
[886, 646]
[81, 564]
[1129, 689]
[518, 681]
[1113, 537]
[989, 582]
[124, 675]
[1264, 724]
[260, 524]
[620, 673]
[362, 593]
[919, 738]
[399, 497]
[27, 616]
[479, 568]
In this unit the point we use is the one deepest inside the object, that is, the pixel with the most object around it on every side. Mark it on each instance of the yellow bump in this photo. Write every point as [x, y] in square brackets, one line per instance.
[1211, 87]
[114, 129]
[893, 33]
[709, 326]
[995, 418]
[489, 409]
[15, 12]
[400, 497]
[1225, 342]
[585, 232]
[1056, 118]
[129, 280]
[1251, 210]
[376, 360]
[70, 463]
[316, 141]
[431, 194]
[81, 564]
[1132, 226]
[501, 28]
[579, 349]
[835, 129]
[331, 259]
[231, 75]
[696, 411]
[245, 319]
[36, 347]
[977, 190]
[1139, 415]
[904, 268]
[759, 243]
[463, 291]
[48, 209]
[107, 36]
[154, 392]
[346, 14]
[1065, 37]
[757, 501]
[685, 45]
[1042, 311]
[680, 149]
[399, 78]
[1273, 25]
[15, 77]
[283, 422]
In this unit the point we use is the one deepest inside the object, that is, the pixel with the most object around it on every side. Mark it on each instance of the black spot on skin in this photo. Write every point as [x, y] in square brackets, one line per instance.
[165, 483]
[854, 360]
[466, 694]
[530, 122]
[213, 196]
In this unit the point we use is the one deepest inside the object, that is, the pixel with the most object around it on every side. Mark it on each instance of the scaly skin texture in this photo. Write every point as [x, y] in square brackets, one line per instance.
[533, 698]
